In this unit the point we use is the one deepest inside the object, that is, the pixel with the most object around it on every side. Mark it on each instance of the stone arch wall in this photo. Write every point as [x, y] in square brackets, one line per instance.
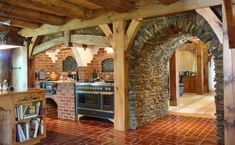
[154, 44]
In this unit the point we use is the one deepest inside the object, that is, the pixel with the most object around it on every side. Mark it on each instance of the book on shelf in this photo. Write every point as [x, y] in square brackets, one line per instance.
[20, 133]
[36, 125]
[29, 110]
[28, 130]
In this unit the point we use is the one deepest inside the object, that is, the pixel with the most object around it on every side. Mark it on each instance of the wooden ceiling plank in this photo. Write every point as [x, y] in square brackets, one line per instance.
[154, 10]
[38, 6]
[74, 10]
[29, 15]
[20, 23]
[85, 4]
[230, 22]
[115, 5]
[213, 21]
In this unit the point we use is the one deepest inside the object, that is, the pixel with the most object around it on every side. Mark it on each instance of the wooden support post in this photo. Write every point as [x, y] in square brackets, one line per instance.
[205, 68]
[120, 77]
[230, 21]
[67, 39]
[174, 81]
[122, 39]
[229, 85]
[199, 76]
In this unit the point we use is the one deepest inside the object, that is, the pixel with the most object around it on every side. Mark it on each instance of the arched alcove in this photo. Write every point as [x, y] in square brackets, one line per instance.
[154, 44]
[51, 108]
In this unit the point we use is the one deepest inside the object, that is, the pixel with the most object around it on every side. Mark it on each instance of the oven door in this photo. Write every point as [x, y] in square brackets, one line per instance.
[108, 102]
[89, 100]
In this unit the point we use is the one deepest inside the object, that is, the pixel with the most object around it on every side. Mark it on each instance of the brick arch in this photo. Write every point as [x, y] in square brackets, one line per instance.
[52, 107]
[154, 44]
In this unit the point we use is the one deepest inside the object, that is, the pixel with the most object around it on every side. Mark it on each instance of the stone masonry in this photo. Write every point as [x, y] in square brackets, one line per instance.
[154, 44]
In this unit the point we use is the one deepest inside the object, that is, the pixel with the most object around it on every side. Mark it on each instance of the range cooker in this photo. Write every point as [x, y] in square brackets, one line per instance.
[95, 99]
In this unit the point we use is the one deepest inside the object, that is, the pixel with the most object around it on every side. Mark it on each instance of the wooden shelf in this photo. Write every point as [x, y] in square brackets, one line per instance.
[9, 101]
[28, 119]
[31, 140]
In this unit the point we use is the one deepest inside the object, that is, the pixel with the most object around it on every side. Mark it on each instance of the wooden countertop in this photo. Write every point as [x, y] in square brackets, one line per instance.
[21, 91]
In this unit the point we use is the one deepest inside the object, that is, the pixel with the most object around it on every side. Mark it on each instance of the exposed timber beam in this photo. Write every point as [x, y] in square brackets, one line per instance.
[119, 6]
[20, 23]
[34, 42]
[91, 40]
[167, 1]
[154, 10]
[4, 28]
[85, 4]
[67, 39]
[229, 12]
[120, 77]
[38, 6]
[213, 21]
[131, 32]
[29, 15]
[74, 10]
[174, 80]
[106, 29]
[47, 45]
[101, 41]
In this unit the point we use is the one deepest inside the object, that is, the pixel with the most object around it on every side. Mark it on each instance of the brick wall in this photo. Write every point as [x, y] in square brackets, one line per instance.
[66, 101]
[86, 72]
[43, 61]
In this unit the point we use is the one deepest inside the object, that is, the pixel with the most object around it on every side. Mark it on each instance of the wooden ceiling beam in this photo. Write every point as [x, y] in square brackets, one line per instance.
[85, 4]
[119, 6]
[38, 6]
[167, 2]
[20, 23]
[154, 10]
[4, 28]
[29, 15]
[73, 10]
[101, 41]
[213, 21]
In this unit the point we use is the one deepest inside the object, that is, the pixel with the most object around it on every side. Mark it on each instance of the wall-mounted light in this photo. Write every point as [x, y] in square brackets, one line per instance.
[10, 39]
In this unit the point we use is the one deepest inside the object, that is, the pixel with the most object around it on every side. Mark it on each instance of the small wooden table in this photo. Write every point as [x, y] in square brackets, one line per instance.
[9, 101]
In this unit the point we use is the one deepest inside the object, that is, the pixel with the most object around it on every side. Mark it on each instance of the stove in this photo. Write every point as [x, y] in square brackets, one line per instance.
[95, 99]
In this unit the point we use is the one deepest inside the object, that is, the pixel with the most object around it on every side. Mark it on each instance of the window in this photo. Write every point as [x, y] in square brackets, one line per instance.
[107, 65]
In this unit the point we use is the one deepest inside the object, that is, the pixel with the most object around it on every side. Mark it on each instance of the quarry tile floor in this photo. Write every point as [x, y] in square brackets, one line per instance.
[169, 130]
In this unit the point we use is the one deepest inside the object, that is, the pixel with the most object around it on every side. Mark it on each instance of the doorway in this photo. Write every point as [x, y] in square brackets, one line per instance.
[192, 69]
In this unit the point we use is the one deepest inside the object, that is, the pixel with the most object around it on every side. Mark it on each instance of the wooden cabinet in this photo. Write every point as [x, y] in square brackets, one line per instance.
[190, 84]
[16, 122]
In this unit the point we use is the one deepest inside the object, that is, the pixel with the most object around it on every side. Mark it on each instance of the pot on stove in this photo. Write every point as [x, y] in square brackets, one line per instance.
[53, 76]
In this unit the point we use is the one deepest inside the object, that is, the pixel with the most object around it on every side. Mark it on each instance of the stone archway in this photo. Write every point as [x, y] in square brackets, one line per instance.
[155, 42]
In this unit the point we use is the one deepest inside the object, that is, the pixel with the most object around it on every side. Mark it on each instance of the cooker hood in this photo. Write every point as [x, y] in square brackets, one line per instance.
[10, 39]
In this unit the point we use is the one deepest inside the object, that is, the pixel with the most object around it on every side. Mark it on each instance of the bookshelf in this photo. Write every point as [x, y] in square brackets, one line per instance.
[26, 123]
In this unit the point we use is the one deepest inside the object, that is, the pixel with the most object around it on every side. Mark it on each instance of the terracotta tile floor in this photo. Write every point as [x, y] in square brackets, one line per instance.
[169, 130]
